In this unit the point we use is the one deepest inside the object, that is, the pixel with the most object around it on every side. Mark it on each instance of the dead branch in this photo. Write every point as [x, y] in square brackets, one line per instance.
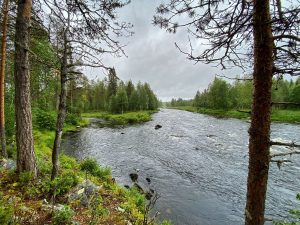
[235, 78]
[292, 145]
[285, 154]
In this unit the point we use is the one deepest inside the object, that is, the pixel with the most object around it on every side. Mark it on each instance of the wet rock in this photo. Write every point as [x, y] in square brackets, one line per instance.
[148, 195]
[210, 135]
[157, 127]
[134, 177]
[8, 164]
[148, 180]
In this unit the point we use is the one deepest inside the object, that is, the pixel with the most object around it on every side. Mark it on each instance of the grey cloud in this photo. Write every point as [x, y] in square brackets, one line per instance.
[153, 58]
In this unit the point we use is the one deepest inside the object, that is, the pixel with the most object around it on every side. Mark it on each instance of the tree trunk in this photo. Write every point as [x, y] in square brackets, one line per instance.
[259, 142]
[25, 149]
[2, 77]
[61, 112]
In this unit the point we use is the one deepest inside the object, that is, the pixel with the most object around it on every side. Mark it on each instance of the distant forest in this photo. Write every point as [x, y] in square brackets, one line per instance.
[223, 95]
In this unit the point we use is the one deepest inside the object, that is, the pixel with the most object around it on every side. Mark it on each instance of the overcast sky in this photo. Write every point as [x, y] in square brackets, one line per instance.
[153, 57]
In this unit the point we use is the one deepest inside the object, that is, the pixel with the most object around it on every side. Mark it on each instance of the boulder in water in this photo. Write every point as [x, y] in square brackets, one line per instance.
[157, 127]
[134, 177]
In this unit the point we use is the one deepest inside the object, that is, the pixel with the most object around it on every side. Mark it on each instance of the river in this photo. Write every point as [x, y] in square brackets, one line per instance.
[197, 163]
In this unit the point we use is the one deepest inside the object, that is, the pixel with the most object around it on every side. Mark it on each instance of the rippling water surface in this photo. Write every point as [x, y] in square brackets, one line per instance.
[197, 163]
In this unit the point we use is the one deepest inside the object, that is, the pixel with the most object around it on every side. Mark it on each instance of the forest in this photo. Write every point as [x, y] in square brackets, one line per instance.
[223, 95]
[47, 101]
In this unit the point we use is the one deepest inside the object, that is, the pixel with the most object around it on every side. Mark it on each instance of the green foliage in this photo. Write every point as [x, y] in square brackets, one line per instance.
[25, 178]
[166, 222]
[295, 213]
[97, 210]
[64, 183]
[91, 166]
[134, 197]
[9, 121]
[73, 119]
[63, 216]
[6, 211]
[43, 119]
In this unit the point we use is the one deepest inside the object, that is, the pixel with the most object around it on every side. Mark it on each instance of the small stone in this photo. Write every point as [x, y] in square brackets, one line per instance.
[80, 191]
[121, 209]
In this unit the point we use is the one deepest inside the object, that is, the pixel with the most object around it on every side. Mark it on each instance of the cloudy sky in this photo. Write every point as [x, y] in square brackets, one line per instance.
[153, 57]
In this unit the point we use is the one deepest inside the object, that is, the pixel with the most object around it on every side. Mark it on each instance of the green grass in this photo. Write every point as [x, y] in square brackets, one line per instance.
[122, 119]
[278, 115]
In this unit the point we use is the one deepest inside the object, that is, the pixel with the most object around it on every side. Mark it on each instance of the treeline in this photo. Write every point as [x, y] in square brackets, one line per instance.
[113, 95]
[223, 95]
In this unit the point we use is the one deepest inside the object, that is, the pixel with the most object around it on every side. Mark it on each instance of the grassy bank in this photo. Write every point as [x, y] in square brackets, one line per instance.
[122, 119]
[278, 115]
[22, 199]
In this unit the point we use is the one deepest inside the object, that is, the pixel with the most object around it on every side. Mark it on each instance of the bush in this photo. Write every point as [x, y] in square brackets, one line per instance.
[25, 178]
[43, 119]
[6, 212]
[91, 166]
[9, 121]
[64, 183]
[72, 119]
[63, 216]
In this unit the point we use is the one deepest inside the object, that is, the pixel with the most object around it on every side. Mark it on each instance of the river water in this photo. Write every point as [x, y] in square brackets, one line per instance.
[197, 163]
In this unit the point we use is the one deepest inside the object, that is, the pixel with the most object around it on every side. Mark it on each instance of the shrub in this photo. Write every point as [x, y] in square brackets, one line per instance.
[64, 183]
[43, 119]
[25, 178]
[63, 216]
[72, 119]
[91, 166]
[6, 212]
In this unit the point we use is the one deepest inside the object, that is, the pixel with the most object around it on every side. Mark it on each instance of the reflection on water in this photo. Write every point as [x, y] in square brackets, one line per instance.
[197, 163]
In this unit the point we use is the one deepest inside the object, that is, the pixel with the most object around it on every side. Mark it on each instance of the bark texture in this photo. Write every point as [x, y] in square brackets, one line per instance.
[25, 149]
[2, 76]
[61, 112]
[259, 131]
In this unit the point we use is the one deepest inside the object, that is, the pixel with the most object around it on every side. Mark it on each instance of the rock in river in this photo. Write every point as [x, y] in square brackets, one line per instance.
[157, 127]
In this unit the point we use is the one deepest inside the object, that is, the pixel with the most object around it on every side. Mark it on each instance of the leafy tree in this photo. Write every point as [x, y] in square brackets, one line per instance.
[121, 100]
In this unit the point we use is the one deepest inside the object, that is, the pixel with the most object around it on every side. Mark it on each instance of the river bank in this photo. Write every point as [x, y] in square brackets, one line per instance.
[197, 163]
[84, 193]
[122, 119]
[278, 115]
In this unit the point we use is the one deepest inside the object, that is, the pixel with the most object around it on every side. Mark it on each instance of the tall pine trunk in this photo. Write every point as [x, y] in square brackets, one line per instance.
[2, 76]
[24, 139]
[259, 142]
[61, 115]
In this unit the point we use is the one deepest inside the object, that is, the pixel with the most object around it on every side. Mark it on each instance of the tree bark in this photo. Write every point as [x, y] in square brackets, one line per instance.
[61, 112]
[24, 139]
[2, 77]
[259, 141]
